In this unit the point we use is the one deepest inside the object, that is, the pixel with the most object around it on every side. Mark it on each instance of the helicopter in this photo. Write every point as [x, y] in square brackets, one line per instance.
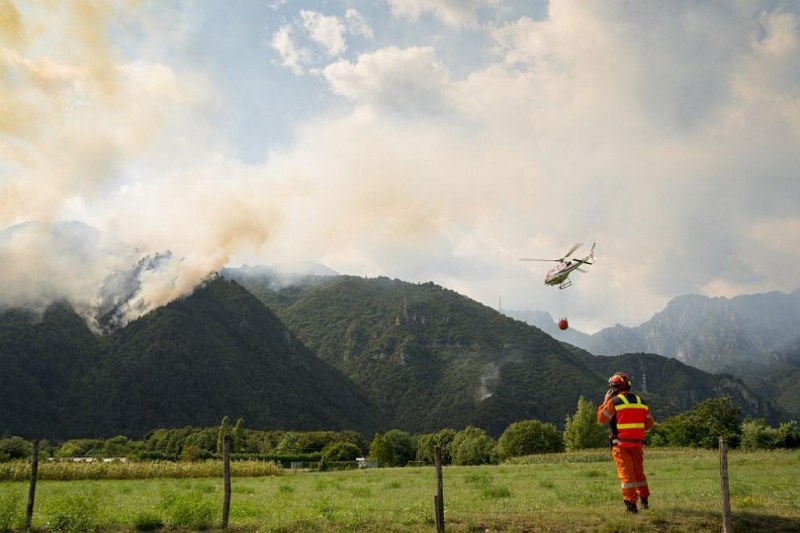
[559, 275]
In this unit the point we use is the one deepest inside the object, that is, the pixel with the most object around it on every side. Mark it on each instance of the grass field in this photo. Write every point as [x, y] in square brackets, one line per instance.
[562, 492]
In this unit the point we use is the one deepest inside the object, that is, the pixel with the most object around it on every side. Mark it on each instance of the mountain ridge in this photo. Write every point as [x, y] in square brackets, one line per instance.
[754, 337]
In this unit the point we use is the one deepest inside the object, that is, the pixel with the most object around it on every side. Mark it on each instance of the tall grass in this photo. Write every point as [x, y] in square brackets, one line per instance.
[73, 471]
[10, 510]
[561, 493]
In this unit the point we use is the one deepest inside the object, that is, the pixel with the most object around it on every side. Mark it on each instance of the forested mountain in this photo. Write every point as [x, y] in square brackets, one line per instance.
[41, 359]
[754, 337]
[430, 357]
[217, 352]
[333, 352]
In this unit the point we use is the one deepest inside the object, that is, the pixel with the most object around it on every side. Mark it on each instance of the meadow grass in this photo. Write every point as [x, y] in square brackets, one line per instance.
[560, 492]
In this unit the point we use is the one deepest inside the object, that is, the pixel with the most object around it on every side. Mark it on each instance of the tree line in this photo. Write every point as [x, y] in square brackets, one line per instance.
[700, 427]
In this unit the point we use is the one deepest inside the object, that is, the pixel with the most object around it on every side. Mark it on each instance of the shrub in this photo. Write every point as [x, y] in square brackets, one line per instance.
[443, 439]
[189, 510]
[757, 434]
[340, 451]
[473, 446]
[15, 448]
[704, 424]
[75, 512]
[528, 437]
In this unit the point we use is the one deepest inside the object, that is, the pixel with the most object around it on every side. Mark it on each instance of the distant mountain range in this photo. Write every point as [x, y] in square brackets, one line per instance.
[321, 352]
[754, 337]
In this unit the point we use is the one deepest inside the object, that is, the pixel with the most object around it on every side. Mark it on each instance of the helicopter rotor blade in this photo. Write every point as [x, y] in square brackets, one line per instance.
[575, 247]
[579, 269]
[530, 259]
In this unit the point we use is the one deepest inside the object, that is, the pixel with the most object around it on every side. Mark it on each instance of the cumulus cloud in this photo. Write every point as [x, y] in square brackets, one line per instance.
[391, 78]
[324, 30]
[451, 12]
[292, 57]
[357, 24]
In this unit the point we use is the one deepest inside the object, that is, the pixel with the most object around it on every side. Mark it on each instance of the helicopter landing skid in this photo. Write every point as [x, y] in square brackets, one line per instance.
[565, 284]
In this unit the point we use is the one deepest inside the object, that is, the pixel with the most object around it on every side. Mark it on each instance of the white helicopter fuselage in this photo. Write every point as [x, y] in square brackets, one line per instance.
[559, 274]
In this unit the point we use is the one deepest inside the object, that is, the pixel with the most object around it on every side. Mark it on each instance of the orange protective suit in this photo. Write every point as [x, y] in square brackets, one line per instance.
[629, 418]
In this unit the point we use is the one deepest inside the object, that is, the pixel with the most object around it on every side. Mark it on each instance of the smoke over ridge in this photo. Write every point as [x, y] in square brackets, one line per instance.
[107, 282]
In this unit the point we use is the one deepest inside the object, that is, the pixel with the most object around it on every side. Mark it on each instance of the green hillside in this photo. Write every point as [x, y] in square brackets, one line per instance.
[217, 352]
[431, 358]
[41, 358]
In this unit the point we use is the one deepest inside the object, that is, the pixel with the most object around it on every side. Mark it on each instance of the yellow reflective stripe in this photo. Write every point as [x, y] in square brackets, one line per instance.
[628, 405]
[630, 426]
[631, 406]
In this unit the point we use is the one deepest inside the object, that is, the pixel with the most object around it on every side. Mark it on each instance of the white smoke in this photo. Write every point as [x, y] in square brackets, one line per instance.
[106, 282]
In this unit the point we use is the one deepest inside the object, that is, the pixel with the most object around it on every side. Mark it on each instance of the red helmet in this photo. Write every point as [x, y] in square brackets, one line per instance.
[620, 382]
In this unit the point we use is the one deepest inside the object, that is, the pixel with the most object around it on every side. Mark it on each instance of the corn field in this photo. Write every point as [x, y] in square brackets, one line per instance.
[76, 471]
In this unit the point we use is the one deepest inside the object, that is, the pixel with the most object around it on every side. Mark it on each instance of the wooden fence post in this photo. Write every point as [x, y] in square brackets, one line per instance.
[438, 499]
[727, 523]
[226, 479]
[32, 487]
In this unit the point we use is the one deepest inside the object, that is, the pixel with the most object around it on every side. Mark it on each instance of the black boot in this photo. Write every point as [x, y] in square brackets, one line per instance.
[631, 507]
[645, 504]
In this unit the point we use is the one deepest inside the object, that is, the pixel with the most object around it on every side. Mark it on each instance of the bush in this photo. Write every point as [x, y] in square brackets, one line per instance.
[340, 451]
[473, 446]
[15, 448]
[528, 437]
[188, 510]
[443, 439]
[758, 435]
[75, 512]
[702, 426]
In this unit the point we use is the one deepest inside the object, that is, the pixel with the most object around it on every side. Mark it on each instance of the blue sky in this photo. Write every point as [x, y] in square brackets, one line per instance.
[425, 140]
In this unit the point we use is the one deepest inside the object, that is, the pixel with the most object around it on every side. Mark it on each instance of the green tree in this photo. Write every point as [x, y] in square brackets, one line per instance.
[472, 446]
[288, 443]
[582, 430]
[381, 450]
[15, 448]
[757, 434]
[702, 426]
[237, 436]
[314, 441]
[224, 429]
[788, 436]
[528, 437]
[340, 451]
[404, 444]
[442, 438]
[118, 446]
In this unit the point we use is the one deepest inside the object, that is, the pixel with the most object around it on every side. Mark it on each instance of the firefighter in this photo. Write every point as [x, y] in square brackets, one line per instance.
[628, 417]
